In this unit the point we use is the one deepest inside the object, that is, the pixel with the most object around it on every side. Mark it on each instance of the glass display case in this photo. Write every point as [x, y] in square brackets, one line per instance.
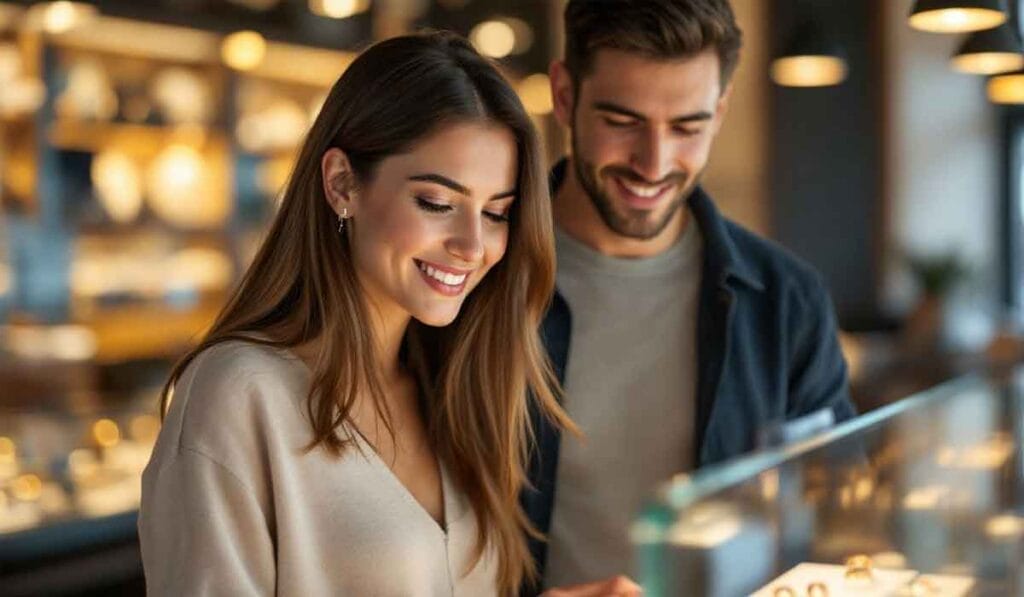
[69, 493]
[923, 497]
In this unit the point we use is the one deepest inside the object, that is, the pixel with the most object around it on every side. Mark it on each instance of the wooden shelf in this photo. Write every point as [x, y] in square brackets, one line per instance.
[142, 139]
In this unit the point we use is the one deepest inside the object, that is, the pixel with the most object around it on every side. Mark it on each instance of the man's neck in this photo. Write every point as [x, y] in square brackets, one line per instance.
[575, 214]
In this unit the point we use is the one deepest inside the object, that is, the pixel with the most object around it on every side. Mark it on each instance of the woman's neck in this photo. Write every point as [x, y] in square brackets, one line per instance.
[388, 328]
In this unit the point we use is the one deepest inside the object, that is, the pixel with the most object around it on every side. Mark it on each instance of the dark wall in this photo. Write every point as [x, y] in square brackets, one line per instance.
[826, 159]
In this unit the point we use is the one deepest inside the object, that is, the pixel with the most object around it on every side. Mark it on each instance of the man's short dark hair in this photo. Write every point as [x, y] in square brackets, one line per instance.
[660, 29]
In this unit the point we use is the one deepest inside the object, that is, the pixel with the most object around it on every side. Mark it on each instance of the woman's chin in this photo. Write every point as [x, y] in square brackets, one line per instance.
[437, 319]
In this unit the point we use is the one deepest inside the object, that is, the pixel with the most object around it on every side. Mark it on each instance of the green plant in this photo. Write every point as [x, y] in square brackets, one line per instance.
[936, 273]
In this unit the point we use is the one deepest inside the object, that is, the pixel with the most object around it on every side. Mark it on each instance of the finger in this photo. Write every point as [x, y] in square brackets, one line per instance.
[623, 586]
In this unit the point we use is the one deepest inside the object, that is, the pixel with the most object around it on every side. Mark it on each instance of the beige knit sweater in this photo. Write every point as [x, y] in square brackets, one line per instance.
[232, 506]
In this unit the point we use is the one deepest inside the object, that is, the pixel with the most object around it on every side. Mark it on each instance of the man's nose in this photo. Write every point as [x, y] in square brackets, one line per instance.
[653, 156]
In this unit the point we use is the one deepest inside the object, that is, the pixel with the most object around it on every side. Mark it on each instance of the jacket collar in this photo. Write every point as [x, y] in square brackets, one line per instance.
[723, 261]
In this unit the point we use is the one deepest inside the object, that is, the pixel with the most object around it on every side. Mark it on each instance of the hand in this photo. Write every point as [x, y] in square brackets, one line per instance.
[618, 586]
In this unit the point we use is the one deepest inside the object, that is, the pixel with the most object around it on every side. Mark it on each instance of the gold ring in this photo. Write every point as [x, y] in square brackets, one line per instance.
[859, 577]
[817, 589]
[859, 562]
[784, 592]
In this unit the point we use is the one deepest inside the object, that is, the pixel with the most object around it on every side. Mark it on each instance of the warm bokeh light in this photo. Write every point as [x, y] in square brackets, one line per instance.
[1005, 526]
[279, 126]
[106, 433]
[7, 450]
[179, 190]
[144, 428]
[89, 94]
[27, 488]
[988, 63]
[523, 34]
[272, 175]
[182, 96]
[61, 16]
[82, 463]
[496, 39]
[925, 498]
[808, 71]
[957, 20]
[243, 50]
[60, 342]
[338, 9]
[21, 96]
[198, 269]
[1006, 89]
[10, 62]
[535, 93]
[118, 184]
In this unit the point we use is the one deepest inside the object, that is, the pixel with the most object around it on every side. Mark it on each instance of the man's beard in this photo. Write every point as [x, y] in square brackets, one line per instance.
[638, 223]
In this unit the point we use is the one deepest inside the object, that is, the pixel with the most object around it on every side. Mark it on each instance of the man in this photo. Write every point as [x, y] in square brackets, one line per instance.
[679, 337]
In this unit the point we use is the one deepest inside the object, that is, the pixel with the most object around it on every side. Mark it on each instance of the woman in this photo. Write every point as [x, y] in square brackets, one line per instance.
[355, 422]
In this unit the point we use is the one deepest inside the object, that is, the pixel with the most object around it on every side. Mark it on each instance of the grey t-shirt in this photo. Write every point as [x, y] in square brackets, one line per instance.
[630, 386]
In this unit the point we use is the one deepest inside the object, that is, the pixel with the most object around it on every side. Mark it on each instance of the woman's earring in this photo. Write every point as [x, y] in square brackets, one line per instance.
[341, 219]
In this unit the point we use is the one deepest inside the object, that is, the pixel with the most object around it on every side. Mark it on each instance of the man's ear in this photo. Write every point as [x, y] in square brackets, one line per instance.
[562, 94]
[340, 187]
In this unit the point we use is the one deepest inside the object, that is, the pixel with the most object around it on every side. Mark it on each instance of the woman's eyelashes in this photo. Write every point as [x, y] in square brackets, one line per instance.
[432, 205]
[435, 206]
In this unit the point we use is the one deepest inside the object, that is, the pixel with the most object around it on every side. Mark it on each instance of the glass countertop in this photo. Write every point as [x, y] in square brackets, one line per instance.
[930, 489]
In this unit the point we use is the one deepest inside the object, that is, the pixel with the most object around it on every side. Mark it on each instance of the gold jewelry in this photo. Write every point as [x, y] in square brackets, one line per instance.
[859, 577]
[784, 592]
[817, 589]
[859, 562]
[341, 219]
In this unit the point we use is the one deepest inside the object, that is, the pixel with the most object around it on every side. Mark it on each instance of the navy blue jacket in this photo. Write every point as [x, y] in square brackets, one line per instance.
[767, 351]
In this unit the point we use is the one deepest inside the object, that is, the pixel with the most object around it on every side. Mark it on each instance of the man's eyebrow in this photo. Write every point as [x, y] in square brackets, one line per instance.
[617, 109]
[455, 186]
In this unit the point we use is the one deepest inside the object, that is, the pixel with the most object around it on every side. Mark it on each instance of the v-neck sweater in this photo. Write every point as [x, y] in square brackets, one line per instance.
[233, 503]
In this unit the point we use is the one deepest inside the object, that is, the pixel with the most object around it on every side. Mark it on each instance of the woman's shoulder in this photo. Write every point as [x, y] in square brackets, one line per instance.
[234, 391]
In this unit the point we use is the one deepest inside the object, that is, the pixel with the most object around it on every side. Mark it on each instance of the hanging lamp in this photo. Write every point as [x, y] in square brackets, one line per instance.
[809, 59]
[1006, 88]
[990, 52]
[957, 16]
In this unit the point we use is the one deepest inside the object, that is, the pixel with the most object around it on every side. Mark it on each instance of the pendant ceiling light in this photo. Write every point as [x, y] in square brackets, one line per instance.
[957, 16]
[810, 59]
[990, 52]
[1007, 89]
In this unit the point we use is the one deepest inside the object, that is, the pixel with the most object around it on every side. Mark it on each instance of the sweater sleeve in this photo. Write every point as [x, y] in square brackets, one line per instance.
[203, 532]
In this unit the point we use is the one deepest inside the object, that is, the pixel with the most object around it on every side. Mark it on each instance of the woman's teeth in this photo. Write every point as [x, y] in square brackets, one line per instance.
[443, 277]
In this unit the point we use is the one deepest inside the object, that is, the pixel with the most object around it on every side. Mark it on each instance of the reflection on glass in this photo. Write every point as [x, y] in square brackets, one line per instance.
[926, 493]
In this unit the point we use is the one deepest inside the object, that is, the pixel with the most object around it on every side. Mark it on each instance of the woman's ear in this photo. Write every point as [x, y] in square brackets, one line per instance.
[340, 187]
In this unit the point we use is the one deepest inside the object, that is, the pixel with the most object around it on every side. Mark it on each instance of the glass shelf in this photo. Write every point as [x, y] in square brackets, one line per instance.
[70, 480]
[931, 485]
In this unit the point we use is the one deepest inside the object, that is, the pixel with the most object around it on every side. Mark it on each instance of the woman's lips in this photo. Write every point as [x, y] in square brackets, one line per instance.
[445, 280]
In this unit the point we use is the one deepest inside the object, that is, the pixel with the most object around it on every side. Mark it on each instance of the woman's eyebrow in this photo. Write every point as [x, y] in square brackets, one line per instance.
[441, 180]
[455, 186]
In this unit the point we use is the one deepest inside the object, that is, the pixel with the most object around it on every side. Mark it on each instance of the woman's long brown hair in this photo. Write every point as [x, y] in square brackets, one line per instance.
[476, 374]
